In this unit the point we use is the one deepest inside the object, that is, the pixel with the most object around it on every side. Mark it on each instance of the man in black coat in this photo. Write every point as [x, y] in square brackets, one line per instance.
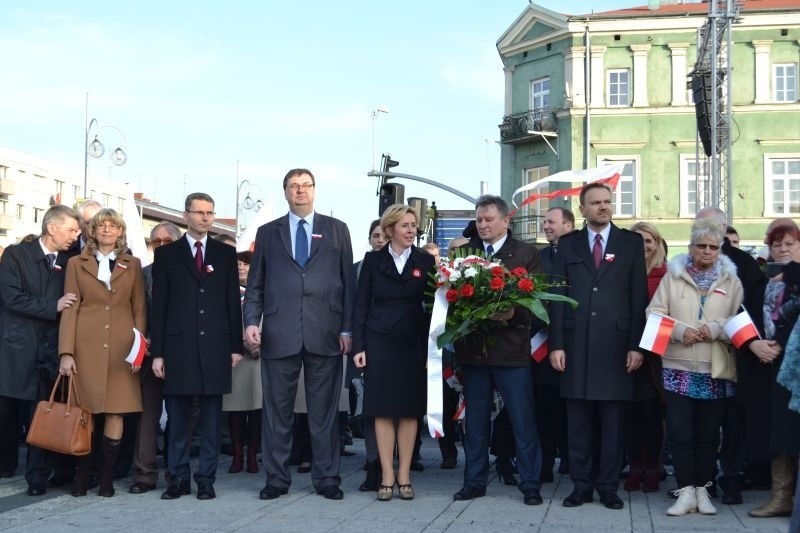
[745, 430]
[503, 364]
[596, 345]
[196, 339]
[32, 290]
[551, 409]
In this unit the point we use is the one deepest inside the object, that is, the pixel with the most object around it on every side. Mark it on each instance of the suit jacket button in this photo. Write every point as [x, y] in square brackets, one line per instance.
[594, 289]
[202, 332]
[202, 311]
[105, 345]
[107, 308]
[202, 290]
[594, 313]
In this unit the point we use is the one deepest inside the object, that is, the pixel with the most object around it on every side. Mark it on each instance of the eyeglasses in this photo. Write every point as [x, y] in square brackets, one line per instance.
[712, 247]
[159, 242]
[294, 187]
[107, 227]
[202, 213]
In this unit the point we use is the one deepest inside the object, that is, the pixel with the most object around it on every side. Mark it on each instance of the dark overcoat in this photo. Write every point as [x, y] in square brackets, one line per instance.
[30, 290]
[196, 320]
[609, 319]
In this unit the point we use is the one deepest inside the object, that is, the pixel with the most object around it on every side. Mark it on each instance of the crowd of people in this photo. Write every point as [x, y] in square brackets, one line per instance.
[275, 336]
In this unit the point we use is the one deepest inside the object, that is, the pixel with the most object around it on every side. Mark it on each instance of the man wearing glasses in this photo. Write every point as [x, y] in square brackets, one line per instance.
[301, 286]
[195, 341]
[144, 454]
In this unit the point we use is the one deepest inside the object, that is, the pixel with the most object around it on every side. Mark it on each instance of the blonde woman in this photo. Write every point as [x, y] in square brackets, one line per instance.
[96, 335]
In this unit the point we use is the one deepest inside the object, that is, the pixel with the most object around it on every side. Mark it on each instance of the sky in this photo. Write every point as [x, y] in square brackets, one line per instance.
[197, 90]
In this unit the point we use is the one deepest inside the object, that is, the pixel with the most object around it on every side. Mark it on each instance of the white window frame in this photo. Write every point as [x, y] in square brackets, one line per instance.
[530, 175]
[634, 160]
[688, 184]
[784, 96]
[617, 84]
[539, 97]
[769, 210]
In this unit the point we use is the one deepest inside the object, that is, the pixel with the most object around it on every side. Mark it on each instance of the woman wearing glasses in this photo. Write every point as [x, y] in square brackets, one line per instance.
[701, 292]
[96, 335]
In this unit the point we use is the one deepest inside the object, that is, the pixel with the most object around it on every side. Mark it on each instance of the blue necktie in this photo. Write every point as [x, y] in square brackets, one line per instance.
[490, 250]
[51, 261]
[301, 244]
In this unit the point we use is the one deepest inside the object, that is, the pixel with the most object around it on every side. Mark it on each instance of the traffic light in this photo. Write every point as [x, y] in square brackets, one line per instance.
[390, 194]
[387, 163]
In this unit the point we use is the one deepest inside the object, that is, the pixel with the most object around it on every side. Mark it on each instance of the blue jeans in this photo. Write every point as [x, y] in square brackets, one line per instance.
[516, 387]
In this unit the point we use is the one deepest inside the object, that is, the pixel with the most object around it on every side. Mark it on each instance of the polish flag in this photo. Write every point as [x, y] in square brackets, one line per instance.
[461, 409]
[740, 329]
[136, 355]
[539, 349]
[657, 332]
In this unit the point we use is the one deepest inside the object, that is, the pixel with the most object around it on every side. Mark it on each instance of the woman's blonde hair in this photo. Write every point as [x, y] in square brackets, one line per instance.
[110, 216]
[393, 215]
[659, 255]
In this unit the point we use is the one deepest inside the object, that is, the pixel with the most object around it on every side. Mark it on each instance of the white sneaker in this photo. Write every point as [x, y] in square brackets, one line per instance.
[704, 504]
[687, 502]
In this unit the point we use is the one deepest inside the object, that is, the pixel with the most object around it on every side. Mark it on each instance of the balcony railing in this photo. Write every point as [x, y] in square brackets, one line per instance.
[527, 228]
[519, 127]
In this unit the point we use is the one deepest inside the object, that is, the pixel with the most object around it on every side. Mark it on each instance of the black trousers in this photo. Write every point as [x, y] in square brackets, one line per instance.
[551, 419]
[693, 434]
[447, 443]
[209, 419]
[581, 418]
[733, 454]
[39, 462]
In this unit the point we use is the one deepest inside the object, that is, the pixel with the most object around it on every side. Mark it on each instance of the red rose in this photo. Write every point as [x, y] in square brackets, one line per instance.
[467, 290]
[451, 295]
[525, 285]
[519, 272]
[498, 271]
[496, 284]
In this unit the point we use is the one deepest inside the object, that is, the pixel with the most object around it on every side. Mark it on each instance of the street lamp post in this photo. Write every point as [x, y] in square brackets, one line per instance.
[96, 149]
[375, 114]
[248, 203]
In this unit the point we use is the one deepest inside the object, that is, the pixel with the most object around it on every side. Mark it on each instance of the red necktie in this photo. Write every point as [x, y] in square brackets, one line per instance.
[597, 250]
[198, 256]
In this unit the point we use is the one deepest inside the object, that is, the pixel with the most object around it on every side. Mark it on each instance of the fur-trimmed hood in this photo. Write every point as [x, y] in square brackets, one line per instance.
[677, 266]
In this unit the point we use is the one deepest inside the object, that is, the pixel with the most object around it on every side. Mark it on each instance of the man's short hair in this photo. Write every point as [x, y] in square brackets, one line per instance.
[593, 185]
[730, 230]
[197, 196]
[566, 214]
[57, 214]
[88, 203]
[297, 172]
[714, 213]
[490, 199]
[173, 230]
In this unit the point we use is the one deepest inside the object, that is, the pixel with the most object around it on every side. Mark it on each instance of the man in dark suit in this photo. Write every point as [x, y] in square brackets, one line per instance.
[32, 290]
[301, 283]
[195, 341]
[551, 409]
[503, 363]
[596, 344]
[145, 449]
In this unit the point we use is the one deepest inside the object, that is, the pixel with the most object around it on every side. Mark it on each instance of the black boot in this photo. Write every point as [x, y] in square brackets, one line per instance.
[373, 477]
[83, 473]
[110, 450]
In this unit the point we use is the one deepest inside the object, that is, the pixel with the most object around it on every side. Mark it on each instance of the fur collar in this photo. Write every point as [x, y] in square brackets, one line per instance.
[677, 266]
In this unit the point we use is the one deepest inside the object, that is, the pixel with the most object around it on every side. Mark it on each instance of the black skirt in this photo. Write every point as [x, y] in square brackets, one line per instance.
[394, 378]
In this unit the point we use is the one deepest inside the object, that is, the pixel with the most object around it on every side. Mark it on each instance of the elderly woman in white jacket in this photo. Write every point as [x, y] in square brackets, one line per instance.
[701, 292]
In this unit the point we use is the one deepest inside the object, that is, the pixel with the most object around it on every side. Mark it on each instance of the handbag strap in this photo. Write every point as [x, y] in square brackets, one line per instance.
[55, 388]
[73, 386]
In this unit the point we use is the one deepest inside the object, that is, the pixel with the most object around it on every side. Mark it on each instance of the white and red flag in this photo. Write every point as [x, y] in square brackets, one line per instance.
[539, 348]
[657, 332]
[139, 348]
[740, 329]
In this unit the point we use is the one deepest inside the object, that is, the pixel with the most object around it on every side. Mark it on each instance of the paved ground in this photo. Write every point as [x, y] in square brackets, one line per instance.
[237, 508]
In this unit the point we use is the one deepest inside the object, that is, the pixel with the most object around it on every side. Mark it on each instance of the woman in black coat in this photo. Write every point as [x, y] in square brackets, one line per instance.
[390, 334]
[781, 310]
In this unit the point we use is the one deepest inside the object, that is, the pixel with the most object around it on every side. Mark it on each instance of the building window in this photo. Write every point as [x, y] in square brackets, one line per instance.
[3, 207]
[783, 185]
[121, 205]
[37, 215]
[624, 195]
[693, 186]
[784, 82]
[76, 191]
[3, 172]
[540, 94]
[106, 200]
[20, 212]
[618, 87]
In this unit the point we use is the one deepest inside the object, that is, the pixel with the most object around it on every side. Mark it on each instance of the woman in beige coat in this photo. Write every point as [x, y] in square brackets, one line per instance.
[96, 335]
